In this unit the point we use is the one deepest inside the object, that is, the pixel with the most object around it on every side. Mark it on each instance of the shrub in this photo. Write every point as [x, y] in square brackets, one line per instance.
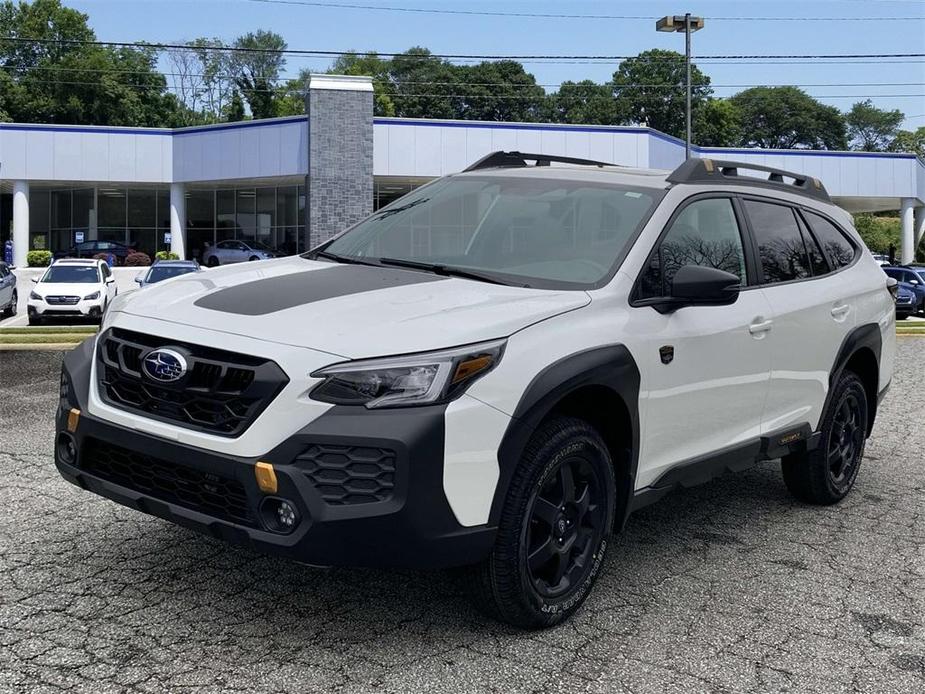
[878, 233]
[102, 256]
[38, 258]
[137, 259]
[166, 255]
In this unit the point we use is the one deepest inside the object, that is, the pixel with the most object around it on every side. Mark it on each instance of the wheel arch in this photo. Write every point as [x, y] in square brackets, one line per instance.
[860, 353]
[599, 385]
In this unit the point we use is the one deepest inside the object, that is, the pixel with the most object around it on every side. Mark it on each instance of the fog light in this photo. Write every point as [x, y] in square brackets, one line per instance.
[279, 515]
[67, 449]
[285, 514]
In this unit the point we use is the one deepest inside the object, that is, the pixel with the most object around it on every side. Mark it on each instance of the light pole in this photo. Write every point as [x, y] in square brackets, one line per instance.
[688, 25]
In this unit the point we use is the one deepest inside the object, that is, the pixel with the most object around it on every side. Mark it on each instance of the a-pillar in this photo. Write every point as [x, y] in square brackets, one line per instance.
[178, 220]
[339, 185]
[20, 222]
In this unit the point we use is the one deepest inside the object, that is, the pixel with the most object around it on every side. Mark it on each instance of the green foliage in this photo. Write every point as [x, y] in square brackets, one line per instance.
[787, 118]
[137, 259]
[717, 123]
[649, 90]
[235, 109]
[38, 258]
[582, 102]
[910, 141]
[878, 233]
[369, 64]
[257, 68]
[57, 80]
[499, 91]
[872, 129]
[424, 86]
[166, 255]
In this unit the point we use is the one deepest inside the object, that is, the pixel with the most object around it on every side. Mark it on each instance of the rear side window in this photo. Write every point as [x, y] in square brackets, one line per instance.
[816, 257]
[839, 250]
[781, 250]
[706, 233]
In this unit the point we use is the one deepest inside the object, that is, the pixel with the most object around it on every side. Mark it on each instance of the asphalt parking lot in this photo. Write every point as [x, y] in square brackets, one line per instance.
[730, 587]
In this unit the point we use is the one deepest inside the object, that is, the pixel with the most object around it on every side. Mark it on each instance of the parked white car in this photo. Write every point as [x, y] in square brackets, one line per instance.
[72, 288]
[495, 371]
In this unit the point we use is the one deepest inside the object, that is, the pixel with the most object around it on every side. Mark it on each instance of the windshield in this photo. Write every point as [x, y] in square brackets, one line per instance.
[72, 274]
[542, 232]
[158, 274]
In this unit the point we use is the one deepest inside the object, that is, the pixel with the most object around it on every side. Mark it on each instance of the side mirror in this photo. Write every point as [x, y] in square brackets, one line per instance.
[35, 280]
[110, 280]
[704, 286]
[138, 278]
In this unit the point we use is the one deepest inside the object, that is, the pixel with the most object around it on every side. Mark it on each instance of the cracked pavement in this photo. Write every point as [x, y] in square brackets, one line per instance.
[729, 587]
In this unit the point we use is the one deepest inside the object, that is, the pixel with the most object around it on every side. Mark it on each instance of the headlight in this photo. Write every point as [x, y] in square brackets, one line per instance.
[418, 379]
[91, 297]
[36, 297]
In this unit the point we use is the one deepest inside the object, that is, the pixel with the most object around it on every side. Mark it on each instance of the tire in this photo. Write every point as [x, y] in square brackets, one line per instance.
[526, 594]
[253, 258]
[35, 320]
[10, 310]
[212, 261]
[825, 475]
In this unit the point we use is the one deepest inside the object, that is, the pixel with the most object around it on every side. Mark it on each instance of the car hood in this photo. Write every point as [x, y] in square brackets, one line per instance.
[80, 289]
[348, 310]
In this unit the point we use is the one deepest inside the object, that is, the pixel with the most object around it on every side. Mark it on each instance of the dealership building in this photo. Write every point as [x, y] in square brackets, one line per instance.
[290, 183]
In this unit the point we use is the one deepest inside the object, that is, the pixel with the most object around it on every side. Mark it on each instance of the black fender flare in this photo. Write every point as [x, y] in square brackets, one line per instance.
[863, 336]
[610, 366]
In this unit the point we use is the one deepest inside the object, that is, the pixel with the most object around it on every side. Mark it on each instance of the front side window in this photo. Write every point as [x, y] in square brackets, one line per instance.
[535, 231]
[71, 274]
[781, 250]
[707, 234]
[836, 246]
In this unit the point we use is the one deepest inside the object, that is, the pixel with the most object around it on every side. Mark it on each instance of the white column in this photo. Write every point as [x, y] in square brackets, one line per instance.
[20, 222]
[919, 224]
[907, 254]
[178, 219]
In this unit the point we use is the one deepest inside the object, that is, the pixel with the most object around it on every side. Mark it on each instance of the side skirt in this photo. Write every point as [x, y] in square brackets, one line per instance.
[700, 470]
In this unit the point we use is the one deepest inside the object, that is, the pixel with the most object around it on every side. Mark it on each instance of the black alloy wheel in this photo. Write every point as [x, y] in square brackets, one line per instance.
[846, 439]
[566, 525]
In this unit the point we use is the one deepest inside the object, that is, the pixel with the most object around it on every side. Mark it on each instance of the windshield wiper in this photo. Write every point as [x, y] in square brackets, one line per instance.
[439, 269]
[347, 259]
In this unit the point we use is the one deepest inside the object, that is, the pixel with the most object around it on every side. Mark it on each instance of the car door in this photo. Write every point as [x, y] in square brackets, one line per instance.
[812, 312]
[705, 369]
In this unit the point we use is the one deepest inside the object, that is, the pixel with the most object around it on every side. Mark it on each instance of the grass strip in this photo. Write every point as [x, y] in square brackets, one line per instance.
[43, 339]
[37, 330]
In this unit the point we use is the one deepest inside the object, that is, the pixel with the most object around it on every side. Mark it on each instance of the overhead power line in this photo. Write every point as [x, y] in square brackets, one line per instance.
[447, 56]
[556, 15]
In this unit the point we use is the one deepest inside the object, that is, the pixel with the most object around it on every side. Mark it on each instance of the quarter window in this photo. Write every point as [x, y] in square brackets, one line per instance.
[839, 250]
[706, 234]
[781, 250]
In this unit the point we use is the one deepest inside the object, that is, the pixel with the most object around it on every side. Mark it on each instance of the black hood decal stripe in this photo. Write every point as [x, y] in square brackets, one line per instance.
[273, 294]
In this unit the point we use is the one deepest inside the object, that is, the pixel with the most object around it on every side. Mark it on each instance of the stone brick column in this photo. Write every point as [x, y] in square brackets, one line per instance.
[339, 185]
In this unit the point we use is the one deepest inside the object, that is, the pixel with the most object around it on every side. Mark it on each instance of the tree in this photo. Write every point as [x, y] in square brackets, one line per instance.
[234, 110]
[650, 90]
[59, 77]
[582, 102]
[910, 141]
[370, 65]
[257, 64]
[216, 65]
[788, 118]
[717, 123]
[872, 129]
[498, 91]
[424, 86]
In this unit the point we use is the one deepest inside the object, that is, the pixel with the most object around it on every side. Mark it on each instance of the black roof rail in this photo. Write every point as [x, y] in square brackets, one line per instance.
[497, 160]
[704, 170]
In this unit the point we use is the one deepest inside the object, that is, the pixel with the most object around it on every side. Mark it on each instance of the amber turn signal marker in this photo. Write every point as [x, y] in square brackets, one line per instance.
[72, 418]
[266, 477]
[471, 366]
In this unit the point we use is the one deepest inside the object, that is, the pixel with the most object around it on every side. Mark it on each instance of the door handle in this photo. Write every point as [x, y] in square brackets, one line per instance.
[758, 327]
[840, 311]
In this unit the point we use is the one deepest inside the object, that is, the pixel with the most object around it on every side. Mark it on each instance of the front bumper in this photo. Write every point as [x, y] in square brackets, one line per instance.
[411, 525]
[82, 308]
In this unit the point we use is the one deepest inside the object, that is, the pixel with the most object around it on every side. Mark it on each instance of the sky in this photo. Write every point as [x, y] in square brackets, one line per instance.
[863, 27]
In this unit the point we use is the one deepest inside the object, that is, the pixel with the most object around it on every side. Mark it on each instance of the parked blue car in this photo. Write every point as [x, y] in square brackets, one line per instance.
[910, 279]
[905, 301]
[165, 269]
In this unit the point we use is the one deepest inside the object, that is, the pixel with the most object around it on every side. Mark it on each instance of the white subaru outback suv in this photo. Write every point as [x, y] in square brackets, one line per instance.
[72, 288]
[495, 371]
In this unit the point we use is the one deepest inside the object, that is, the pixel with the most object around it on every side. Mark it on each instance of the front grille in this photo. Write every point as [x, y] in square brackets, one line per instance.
[349, 474]
[222, 392]
[62, 300]
[207, 493]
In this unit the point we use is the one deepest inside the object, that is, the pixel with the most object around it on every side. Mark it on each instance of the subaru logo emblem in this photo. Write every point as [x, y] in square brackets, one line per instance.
[164, 365]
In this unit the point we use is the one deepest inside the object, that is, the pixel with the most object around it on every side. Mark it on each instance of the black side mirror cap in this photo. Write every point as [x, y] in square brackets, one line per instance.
[695, 285]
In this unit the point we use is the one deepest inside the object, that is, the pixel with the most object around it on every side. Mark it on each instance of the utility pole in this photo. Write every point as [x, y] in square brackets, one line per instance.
[688, 25]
